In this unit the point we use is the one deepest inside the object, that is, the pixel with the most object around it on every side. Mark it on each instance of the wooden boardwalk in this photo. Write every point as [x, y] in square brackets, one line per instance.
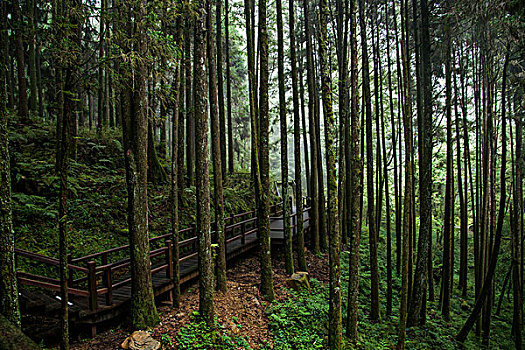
[100, 283]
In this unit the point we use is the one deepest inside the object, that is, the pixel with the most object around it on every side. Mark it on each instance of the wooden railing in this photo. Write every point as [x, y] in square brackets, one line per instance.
[101, 273]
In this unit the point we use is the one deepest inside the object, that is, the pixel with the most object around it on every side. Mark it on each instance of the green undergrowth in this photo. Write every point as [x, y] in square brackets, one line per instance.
[301, 321]
[97, 201]
[197, 335]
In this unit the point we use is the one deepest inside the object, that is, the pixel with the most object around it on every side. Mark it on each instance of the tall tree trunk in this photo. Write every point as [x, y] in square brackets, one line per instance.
[264, 160]
[372, 230]
[228, 86]
[314, 218]
[202, 181]
[517, 236]
[417, 307]
[135, 135]
[408, 211]
[190, 127]
[33, 97]
[448, 220]
[297, 144]
[101, 95]
[20, 61]
[220, 91]
[489, 275]
[175, 166]
[463, 265]
[334, 313]
[305, 136]
[216, 151]
[284, 143]
[8, 283]
[354, 185]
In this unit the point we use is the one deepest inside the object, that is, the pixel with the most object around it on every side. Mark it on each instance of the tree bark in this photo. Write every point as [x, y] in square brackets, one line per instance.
[202, 181]
[135, 135]
[297, 144]
[216, 141]
[288, 252]
[264, 160]
[8, 283]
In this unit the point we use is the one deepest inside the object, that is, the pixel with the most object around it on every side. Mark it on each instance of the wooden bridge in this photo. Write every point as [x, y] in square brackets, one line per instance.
[100, 283]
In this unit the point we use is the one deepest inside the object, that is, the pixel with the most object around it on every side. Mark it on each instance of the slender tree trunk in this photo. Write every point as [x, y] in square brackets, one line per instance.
[417, 307]
[354, 185]
[463, 265]
[408, 211]
[334, 313]
[175, 165]
[314, 218]
[489, 276]
[372, 229]
[202, 181]
[216, 153]
[220, 91]
[297, 144]
[101, 96]
[190, 127]
[8, 283]
[517, 237]
[33, 97]
[448, 220]
[288, 249]
[20, 61]
[228, 86]
[305, 137]
[135, 136]
[264, 160]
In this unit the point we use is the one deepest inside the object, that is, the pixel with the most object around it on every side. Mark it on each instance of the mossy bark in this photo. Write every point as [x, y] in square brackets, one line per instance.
[354, 185]
[284, 142]
[334, 239]
[264, 160]
[8, 284]
[216, 146]
[135, 135]
[175, 166]
[301, 260]
[202, 181]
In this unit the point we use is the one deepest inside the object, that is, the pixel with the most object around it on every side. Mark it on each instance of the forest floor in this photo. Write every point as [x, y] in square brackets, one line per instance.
[241, 311]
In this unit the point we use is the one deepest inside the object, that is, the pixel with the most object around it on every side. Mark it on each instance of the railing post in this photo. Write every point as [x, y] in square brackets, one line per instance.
[70, 272]
[243, 230]
[107, 280]
[194, 234]
[92, 286]
[169, 259]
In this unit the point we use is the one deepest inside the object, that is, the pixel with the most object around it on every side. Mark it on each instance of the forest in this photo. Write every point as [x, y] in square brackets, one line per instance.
[253, 174]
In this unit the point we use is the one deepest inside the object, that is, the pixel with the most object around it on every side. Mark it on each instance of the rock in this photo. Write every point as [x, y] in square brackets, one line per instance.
[299, 281]
[140, 340]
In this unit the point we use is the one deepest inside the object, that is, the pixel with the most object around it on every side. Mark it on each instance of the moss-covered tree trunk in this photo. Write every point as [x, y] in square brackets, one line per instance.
[301, 260]
[228, 85]
[216, 147]
[408, 210]
[417, 307]
[354, 185]
[190, 122]
[175, 166]
[20, 60]
[264, 160]
[135, 135]
[288, 252]
[334, 313]
[372, 223]
[12, 338]
[310, 75]
[220, 84]
[8, 284]
[202, 180]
